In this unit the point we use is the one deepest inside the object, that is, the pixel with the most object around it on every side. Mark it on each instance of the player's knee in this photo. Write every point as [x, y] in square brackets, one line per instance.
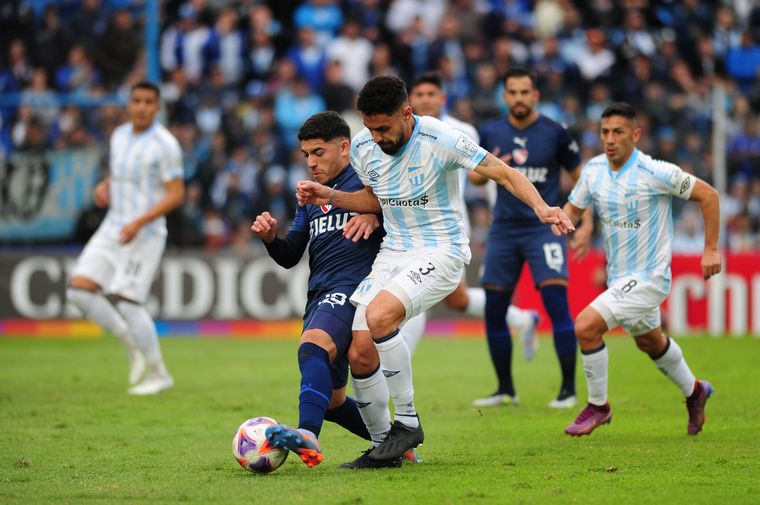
[79, 297]
[586, 331]
[363, 359]
[380, 323]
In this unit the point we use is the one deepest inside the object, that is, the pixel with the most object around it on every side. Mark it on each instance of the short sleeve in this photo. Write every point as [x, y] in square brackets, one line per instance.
[569, 153]
[580, 196]
[170, 161]
[356, 163]
[671, 180]
[460, 150]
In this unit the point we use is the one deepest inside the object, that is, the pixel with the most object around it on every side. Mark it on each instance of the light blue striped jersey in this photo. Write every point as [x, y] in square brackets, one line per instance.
[634, 207]
[418, 187]
[140, 166]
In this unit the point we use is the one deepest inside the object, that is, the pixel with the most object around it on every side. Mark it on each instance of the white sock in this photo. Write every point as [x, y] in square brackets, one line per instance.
[143, 330]
[371, 395]
[99, 310]
[595, 368]
[674, 366]
[396, 363]
[413, 331]
[476, 302]
[517, 317]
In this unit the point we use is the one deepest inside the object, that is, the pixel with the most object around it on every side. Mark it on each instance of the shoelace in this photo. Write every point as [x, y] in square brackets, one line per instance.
[587, 412]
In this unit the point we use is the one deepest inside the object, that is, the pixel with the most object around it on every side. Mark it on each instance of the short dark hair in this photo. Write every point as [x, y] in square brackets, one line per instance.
[146, 85]
[433, 78]
[620, 109]
[383, 94]
[519, 72]
[324, 125]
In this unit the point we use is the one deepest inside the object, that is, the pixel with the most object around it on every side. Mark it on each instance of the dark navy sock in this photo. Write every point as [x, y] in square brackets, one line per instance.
[499, 338]
[565, 344]
[316, 387]
[348, 416]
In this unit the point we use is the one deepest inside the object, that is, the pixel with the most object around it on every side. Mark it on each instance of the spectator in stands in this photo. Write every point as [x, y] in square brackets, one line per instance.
[225, 47]
[308, 58]
[79, 75]
[293, 105]
[50, 43]
[116, 50]
[324, 16]
[354, 53]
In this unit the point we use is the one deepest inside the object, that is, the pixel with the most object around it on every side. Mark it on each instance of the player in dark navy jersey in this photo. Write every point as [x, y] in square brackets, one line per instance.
[342, 246]
[538, 147]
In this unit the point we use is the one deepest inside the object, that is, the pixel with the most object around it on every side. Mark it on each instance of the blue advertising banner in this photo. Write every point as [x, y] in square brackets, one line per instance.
[43, 193]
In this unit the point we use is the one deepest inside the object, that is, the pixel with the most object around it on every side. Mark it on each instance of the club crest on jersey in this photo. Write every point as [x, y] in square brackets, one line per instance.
[416, 176]
[520, 155]
[325, 208]
[631, 200]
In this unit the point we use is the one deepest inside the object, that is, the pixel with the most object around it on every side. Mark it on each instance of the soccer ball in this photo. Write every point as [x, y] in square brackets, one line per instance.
[252, 449]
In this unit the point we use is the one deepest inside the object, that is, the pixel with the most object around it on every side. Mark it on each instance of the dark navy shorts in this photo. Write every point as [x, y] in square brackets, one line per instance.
[509, 247]
[332, 312]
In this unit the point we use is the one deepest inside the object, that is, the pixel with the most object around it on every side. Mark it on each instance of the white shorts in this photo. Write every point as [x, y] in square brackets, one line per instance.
[419, 278]
[124, 270]
[633, 303]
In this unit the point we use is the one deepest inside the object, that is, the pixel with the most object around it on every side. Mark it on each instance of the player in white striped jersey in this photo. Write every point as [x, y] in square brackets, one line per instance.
[408, 166]
[632, 195]
[145, 183]
[427, 98]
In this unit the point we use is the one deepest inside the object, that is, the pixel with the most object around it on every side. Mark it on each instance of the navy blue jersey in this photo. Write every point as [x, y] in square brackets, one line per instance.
[333, 259]
[538, 152]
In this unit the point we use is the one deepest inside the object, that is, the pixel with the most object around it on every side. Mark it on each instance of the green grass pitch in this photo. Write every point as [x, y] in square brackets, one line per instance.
[70, 434]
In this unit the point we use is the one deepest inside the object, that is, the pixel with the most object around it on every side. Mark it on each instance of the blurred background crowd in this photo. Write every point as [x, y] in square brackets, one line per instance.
[238, 77]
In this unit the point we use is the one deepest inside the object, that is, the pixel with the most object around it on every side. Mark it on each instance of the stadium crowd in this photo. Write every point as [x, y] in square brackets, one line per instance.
[239, 77]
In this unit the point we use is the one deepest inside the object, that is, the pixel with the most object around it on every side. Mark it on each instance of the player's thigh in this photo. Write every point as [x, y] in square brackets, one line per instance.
[97, 263]
[457, 299]
[633, 303]
[503, 261]
[546, 255]
[386, 263]
[331, 313]
[137, 267]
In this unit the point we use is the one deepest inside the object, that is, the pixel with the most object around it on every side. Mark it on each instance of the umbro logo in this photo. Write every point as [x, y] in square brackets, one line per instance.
[390, 373]
[373, 175]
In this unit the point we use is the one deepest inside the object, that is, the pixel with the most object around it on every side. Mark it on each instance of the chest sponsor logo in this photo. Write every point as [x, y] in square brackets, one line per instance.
[329, 223]
[520, 153]
[398, 202]
[416, 175]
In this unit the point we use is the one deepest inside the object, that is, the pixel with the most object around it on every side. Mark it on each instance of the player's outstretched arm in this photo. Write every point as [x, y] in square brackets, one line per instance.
[175, 195]
[580, 243]
[363, 201]
[519, 185]
[709, 204]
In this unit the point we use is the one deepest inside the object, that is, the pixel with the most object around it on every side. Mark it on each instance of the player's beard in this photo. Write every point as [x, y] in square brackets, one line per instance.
[524, 112]
[390, 148]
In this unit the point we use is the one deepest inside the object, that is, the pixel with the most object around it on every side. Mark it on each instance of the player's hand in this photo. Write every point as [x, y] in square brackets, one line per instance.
[312, 192]
[129, 231]
[361, 226]
[711, 263]
[580, 242]
[101, 196]
[265, 227]
[560, 223]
